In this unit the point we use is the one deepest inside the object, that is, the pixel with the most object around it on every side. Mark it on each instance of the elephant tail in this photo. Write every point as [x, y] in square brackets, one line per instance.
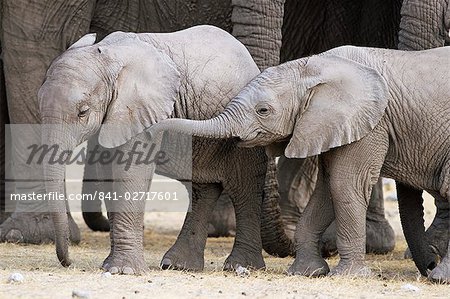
[274, 238]
[411, 216]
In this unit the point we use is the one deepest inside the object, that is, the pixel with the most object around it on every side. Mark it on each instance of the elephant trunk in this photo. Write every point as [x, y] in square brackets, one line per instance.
[221, 126]
[257, 24]
[411, 216]
[422, 24]
[273, 235]
[54, 177]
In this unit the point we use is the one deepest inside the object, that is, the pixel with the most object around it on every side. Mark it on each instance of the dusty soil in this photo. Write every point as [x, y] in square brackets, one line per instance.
[393, 276]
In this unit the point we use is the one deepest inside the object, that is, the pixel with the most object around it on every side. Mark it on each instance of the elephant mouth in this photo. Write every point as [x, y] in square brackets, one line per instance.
[257, 140]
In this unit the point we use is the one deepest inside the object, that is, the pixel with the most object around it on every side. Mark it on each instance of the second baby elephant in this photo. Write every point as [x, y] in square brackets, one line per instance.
[130, 81]
[366, 112]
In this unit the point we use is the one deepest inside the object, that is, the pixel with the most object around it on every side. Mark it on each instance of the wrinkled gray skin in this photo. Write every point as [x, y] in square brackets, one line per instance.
[128, 82]
[30, 47]
[424, 25]
[288, 107]
[297, 180]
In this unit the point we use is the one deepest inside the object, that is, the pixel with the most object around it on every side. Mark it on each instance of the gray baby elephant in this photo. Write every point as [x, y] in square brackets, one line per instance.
[118, 87]
[366, 112]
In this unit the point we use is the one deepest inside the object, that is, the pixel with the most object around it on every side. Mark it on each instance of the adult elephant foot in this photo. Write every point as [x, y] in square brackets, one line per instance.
[307, 265]
[248, 259]
[222, 222]
[183, 257]
[351, 268]
[380, 237]
[441, 273]
[437, 235]
[34, 228]
[127, 262]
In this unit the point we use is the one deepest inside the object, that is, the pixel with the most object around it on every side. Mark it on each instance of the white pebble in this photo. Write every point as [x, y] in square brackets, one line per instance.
[242, 271]
[410, 287]
[15, 277]
[106, 275]
[80, 294]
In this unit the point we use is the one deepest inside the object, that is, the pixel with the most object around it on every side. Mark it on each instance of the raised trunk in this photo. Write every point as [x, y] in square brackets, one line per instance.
[257, 24]
[423, 24]
[411, 215]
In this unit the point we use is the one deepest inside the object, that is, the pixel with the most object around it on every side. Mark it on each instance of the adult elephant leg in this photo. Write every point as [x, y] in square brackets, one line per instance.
[277, 232]
[380, 237]
[4, 119]
[246, 194]
[315, 219]
[222, 222]
[28, 49]
[437, 234]
[257, 24]
[95, 179]
[441, 273]
[188, 251]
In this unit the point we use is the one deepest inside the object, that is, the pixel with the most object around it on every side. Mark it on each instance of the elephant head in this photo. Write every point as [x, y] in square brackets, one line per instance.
[314, 104]
[101, 88]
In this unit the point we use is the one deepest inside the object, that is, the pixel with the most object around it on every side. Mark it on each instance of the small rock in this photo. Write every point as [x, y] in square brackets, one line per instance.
[80, 294]
[409, 287]
[106, 275]
[149, 281]
[15, 277]
[242, 271]
[244, 294]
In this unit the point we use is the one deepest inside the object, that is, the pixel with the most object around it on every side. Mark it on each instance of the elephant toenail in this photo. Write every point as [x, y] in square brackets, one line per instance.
[166, 263]
[128, 271]
[113, 270]
[14, 236]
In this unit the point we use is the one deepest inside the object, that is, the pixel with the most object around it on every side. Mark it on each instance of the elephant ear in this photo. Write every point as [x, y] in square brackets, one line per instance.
[344, 101]
[146, 89]
[86, 40]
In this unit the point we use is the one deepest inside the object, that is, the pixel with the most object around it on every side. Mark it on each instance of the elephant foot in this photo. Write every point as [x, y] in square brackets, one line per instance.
[130, 262]
[437, 238]
[380, 237]
[351, 268]
[34, 228]
[250, 260]
[183, 258]
[96, 221]
[327, 242]
[222, 222]
[441, 274]
[308, 266]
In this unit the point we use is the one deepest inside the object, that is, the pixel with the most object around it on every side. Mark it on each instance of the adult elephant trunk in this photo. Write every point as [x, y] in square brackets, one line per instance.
[54, 177]
[275, 241]
[424, 24]
[411, 215]
[257, 24]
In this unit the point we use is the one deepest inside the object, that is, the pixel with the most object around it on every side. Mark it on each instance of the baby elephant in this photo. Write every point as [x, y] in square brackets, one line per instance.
[115, 89]
[366, 112]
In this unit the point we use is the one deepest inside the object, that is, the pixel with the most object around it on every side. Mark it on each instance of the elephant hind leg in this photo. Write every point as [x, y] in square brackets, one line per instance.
[188, 251]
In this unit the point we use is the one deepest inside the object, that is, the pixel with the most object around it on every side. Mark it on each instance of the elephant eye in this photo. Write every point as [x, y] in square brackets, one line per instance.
[84, 110]
[263, 110]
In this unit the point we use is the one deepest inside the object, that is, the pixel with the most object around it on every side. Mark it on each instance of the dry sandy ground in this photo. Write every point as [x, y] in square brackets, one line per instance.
[45, 278]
